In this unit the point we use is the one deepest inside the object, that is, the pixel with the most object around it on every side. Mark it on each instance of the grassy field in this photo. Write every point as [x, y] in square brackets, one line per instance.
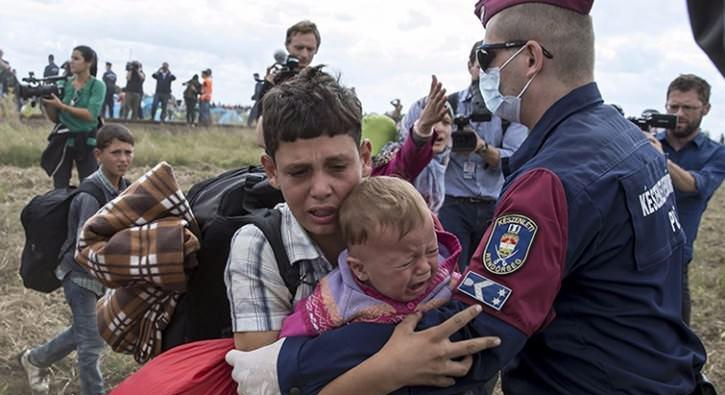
[28, 318]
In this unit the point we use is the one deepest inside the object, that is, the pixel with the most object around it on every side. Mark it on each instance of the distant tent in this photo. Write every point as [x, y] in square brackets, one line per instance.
[227, 116]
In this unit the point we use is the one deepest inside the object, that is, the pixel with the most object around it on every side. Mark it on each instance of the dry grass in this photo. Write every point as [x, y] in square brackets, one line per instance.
[180, 146]
[28, 318]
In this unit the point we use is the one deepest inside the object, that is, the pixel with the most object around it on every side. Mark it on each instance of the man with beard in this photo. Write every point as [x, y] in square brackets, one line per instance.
[696, 163]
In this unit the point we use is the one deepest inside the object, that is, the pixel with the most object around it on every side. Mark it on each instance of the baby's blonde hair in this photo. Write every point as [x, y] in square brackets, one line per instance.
[381, 203]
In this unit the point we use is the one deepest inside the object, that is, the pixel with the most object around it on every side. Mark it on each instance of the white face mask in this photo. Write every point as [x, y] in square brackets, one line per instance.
[506, 107]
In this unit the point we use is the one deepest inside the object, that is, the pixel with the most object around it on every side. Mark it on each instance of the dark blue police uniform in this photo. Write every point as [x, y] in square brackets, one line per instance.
[579, 274]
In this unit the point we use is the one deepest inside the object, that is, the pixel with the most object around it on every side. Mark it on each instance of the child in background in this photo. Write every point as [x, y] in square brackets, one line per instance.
[398, 260]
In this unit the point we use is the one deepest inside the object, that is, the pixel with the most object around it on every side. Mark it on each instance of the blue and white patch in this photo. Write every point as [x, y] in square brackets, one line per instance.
[509, 243]
[488, 292]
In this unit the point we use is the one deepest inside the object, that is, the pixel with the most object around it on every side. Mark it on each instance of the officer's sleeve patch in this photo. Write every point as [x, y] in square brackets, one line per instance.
[488, 292]
[509, 243]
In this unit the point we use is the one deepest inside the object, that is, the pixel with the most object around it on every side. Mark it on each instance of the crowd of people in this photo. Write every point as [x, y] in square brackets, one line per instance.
[518, 227]
[125, 98]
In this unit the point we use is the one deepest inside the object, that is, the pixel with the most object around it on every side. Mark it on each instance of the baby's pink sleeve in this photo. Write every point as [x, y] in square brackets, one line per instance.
[295, 324]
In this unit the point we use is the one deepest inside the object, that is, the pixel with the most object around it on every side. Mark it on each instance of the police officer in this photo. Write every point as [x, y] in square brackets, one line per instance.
[580, 272]
[474, 178]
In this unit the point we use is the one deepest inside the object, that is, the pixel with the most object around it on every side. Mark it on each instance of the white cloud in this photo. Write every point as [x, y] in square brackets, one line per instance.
[384, 48]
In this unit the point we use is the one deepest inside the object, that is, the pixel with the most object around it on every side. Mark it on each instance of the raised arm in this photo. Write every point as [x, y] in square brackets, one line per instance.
[417, 149]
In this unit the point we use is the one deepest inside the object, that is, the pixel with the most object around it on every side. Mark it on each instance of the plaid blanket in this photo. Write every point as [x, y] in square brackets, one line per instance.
[141, 245]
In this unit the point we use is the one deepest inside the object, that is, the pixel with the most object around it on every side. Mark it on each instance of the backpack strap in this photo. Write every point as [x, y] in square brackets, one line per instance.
[270, 223]
[94, 190]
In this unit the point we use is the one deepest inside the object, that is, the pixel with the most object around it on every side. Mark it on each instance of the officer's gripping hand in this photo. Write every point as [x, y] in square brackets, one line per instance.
[431, 363]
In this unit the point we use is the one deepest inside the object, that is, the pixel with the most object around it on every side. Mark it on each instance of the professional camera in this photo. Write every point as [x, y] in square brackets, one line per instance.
[133, 65]
[40, 87]
[464, 139]
[651, 120]
[286, 69]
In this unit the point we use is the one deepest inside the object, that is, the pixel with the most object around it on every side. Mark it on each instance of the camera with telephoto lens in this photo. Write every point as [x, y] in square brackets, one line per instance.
[40, 87]
[464, 139]
[285, 70]
[133, 65]
[647, 121]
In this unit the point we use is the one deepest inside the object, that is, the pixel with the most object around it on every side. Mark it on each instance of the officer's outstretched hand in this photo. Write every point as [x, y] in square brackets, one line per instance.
[255, 372]
[434, 110]
[432, 361]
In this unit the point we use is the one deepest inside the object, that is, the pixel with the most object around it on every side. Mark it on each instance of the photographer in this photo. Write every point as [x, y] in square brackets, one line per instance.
[163, 78]
[696, 164]
[76, 116]
[302, 43]
[134, 89]
[474, 175]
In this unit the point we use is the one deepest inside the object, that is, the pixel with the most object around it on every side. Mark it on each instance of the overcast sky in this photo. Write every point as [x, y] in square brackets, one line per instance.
[384, 48]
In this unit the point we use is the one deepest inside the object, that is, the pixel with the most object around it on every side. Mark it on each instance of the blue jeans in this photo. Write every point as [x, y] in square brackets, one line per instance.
[82, 336]
[163, 99]
[204, 113]
[467, 220]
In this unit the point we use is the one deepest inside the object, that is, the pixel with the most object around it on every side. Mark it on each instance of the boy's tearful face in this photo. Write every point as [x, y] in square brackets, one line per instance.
[315, 175]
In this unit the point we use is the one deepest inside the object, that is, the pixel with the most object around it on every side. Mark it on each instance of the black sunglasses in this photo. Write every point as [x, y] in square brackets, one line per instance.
[485, 53]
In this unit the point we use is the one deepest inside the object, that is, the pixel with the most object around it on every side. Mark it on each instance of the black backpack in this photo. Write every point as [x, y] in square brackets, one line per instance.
[45, 221]
[222, 205]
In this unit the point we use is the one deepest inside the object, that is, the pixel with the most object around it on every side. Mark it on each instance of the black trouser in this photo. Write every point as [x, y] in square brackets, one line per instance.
[467, 218]
[107, 110]
[85, 164]
[190, 110]
[163, 99]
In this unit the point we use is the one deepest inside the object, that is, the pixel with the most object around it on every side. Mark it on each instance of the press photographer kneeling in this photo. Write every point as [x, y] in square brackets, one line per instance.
[76, 117]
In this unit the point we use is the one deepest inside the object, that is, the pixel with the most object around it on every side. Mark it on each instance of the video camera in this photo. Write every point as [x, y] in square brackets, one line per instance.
[286, 69]
[647, 121]
[133, 65]
[40, 87]
[464, 139]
